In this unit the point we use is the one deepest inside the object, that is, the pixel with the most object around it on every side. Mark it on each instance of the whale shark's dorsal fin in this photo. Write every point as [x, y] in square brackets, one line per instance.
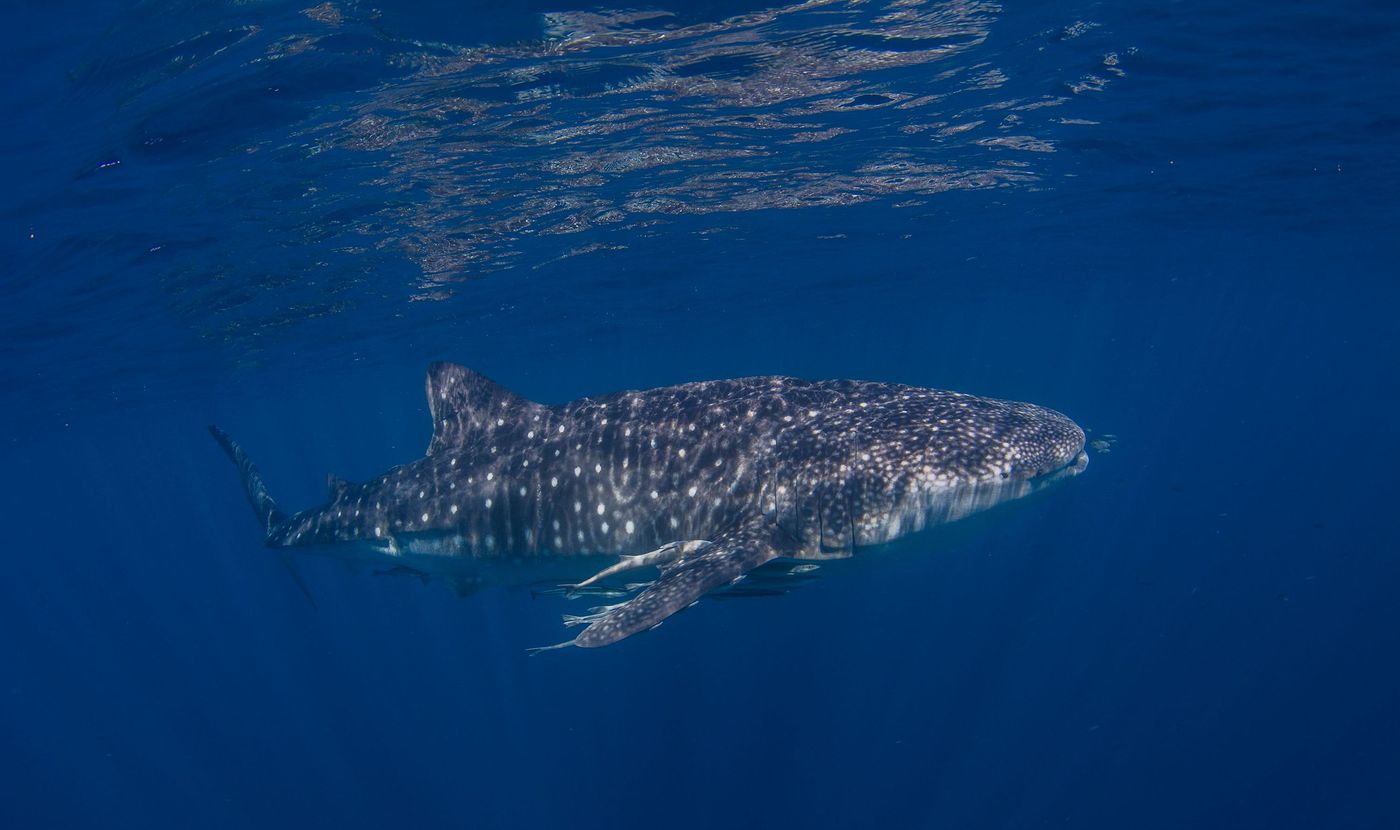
[464, 401]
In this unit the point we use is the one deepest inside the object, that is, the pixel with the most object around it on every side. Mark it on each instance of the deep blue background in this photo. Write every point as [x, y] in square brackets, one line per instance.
[1200, 631]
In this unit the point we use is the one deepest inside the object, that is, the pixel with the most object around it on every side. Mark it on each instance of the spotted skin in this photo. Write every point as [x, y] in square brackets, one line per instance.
[761, 467]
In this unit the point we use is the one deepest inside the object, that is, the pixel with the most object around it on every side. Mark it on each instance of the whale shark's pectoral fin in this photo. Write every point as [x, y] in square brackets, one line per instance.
[663, 555]
[681, 584]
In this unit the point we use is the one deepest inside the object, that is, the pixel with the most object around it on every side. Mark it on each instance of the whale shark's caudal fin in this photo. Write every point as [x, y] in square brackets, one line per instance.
[263, 505]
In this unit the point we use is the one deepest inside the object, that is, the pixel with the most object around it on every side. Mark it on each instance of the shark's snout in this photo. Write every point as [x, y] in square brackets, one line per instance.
[1049, 444]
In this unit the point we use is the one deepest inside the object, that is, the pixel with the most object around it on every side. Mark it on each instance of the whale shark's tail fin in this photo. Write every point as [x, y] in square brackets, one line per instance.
[263, 505]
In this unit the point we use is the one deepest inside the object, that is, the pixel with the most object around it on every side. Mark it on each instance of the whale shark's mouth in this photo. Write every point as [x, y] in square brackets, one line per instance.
[1075, 466]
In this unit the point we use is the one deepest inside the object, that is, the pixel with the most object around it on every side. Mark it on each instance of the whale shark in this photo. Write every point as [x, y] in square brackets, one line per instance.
[700, 484]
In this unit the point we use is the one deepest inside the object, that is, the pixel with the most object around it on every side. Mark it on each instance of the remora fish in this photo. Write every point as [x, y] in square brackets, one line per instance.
[705, 481]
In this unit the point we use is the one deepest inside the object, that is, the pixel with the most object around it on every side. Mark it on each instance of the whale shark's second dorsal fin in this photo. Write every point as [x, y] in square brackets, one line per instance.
[335, 486]
[464, 402]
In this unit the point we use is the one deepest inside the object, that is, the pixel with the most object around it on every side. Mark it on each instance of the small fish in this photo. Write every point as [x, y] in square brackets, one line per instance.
[573, 591]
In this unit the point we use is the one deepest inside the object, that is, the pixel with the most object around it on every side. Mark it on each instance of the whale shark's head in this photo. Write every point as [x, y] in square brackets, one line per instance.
[970, 454]
[1038, 444]
[959, 440]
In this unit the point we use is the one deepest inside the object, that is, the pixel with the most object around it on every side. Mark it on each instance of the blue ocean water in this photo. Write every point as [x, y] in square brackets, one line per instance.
[1172, 221]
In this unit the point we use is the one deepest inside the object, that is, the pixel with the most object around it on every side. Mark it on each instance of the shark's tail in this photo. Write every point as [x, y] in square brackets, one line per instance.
[263, 505]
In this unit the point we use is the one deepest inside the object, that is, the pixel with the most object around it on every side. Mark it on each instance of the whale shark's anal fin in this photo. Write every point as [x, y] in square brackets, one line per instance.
[681, 584]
